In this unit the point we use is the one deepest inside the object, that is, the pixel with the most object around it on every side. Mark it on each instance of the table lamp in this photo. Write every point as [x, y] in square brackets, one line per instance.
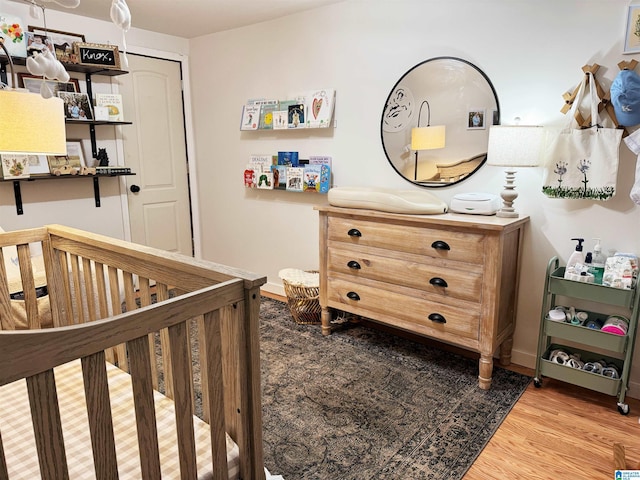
[513, 146]
[426, 138]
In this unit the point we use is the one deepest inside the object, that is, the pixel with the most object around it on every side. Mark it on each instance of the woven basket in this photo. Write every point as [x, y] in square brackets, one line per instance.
[303, 302]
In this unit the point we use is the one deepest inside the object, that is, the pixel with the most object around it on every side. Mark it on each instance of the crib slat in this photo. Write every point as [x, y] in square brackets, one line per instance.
[162, 293]
[181, 362]
[45, 413]
[210, 344]
[144, 408]
[89, 290]
[3, 462]
[28, 286]
[116, 306]
[67, 317]
[145, 300]
[96, 388]
[6, 316]
[78, 316]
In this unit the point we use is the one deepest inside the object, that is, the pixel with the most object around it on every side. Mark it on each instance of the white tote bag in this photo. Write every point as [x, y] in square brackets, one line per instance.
[579, 162]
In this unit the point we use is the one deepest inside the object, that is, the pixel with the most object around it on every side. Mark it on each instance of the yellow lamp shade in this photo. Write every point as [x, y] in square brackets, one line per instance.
[428, 138]
[31, 125]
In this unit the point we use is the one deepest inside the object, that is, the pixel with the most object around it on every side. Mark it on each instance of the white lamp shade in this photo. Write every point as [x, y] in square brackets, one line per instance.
[30, 124]
[428, 138]
[514, 145]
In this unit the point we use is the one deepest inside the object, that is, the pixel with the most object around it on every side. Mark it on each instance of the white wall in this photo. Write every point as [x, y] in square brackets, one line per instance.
[70, 201]
[532, 51]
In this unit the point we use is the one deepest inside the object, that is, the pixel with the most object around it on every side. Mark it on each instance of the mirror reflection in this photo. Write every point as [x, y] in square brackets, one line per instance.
[435, 123]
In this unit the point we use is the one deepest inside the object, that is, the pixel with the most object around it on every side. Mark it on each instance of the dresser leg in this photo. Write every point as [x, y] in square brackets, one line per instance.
[505, 351]
[486, 369]
[325, 319]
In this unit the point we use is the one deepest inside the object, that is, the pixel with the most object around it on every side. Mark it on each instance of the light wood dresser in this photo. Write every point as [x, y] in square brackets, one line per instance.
[450, 277]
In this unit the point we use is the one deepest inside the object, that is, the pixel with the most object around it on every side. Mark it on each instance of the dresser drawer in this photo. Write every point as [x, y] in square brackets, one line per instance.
[431, 242]
[408, 310]
[410, 271]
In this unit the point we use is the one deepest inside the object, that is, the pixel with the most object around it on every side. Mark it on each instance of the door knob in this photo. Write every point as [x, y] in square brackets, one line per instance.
[134, 188]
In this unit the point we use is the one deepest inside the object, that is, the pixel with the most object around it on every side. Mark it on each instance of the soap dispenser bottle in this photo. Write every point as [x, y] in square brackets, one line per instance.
[575, 260]
[598, 262]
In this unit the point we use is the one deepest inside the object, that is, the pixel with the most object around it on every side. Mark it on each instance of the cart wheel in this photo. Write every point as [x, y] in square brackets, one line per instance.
[623, 408]
[537, 383]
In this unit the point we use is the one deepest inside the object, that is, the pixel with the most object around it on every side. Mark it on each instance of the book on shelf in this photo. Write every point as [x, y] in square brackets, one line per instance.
[295, 117]
[319, 160]
[250, 117]
[295, 179]
[261, 163]
[113, 102]
[279, 173]
[112, 170]
[249, 177]
[280, 119]
[317, 178]
[320, 106]
[288, 158]
[265, 180]
[266, 116]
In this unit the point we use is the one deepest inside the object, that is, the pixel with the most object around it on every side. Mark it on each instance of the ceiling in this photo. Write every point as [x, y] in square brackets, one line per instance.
[193, 18]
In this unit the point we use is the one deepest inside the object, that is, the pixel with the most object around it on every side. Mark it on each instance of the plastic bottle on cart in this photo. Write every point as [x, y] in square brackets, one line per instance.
[575, 262]
[598, 262]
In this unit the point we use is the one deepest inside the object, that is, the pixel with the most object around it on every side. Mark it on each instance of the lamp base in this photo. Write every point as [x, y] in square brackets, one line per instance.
[508, 197]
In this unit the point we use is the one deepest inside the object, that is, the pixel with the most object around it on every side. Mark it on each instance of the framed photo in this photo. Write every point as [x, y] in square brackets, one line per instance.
[14, 166]
[632, 34]
[77, 106]
[74, 159]
[37, 43]
[98, 55]
[62, 42]
[38, 165]
[33, 84]
[476, 119]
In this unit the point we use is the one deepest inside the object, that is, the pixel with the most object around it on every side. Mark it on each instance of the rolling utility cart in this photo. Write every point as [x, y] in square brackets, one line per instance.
[620, 347]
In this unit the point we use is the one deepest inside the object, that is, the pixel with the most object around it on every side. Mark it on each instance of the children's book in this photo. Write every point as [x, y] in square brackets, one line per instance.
[295, 179]
[249, 177]
[265, 180]
[266, 115]
[325, 179]
[279, 176]
[295, 118]
[289, 159]
[113, 101]
[250, 117]
[312, 178]
[320, 107]
[319, 160]
[280, 119]
[261, 163]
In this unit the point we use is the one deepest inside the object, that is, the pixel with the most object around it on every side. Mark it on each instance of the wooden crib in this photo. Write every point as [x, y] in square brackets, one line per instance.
[93, 329]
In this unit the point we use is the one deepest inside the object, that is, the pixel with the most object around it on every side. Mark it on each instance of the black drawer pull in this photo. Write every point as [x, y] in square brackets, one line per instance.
[436, 317]
[440, 245]
[353, 296]
[353, 265]
[354, 232]
[438, 282]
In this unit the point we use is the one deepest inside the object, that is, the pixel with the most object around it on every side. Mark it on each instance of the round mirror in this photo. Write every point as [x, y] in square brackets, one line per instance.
[435, 123]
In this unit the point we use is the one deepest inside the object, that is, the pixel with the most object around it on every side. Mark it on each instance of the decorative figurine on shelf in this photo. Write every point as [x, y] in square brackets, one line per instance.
[102, 157]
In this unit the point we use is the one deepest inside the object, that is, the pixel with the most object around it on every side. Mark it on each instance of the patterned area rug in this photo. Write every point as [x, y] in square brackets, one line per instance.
[361, 404]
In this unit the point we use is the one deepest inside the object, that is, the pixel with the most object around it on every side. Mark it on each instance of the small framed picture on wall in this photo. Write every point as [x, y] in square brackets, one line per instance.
[632, 33]
[476, 119]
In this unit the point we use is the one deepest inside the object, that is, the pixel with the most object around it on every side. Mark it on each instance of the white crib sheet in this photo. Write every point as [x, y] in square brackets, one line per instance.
[19, 442]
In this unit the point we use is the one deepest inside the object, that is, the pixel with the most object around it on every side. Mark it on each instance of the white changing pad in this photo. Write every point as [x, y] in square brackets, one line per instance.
[387, 200]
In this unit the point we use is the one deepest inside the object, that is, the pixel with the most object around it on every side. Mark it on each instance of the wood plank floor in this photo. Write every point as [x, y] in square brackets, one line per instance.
[555, 431]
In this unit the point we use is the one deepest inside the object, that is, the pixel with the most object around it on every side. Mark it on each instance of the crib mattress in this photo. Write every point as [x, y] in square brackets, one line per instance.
[19, 441]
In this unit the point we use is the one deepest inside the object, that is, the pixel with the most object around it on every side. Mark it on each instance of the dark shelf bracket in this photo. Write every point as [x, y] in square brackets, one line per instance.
[18, 196]
[96, 190]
